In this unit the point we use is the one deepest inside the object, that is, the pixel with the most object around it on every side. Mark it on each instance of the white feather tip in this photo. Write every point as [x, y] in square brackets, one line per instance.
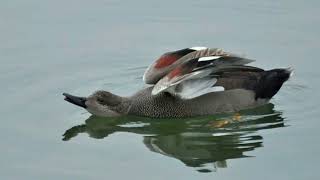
[209, 58]
[198, 48]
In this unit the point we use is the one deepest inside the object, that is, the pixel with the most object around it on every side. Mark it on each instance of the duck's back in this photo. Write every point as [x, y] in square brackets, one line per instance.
[242, 90]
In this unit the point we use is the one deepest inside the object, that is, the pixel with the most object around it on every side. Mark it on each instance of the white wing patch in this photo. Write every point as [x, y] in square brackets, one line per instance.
[208, 58]
[165, 83]
[202, 92]
[191, 88]
[196, 87]
[198, 48]
[217, 89]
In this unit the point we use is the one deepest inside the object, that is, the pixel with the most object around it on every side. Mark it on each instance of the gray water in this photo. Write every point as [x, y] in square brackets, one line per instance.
[51, 47]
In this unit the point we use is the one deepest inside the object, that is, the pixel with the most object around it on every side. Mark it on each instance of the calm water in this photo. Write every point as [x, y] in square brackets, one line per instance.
[50, 47]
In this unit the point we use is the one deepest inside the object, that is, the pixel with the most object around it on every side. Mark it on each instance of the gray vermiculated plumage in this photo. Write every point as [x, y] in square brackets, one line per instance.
[165, 105]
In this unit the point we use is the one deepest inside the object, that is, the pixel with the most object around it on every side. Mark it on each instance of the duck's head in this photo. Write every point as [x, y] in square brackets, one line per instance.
[101, 103]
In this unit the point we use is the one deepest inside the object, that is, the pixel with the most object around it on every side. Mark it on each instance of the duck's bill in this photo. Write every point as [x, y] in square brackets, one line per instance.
[79, 101]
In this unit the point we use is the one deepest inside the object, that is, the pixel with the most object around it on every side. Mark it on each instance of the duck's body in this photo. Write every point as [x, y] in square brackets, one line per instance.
[164, 105]
[195, 87]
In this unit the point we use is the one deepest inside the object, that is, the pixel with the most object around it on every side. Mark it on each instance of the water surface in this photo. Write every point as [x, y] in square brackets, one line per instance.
[50, 47]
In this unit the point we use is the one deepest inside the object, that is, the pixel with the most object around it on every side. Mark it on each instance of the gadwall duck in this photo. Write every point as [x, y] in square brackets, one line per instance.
[191, 82]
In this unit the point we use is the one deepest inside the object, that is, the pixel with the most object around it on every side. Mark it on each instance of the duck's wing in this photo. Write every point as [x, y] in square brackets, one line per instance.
[199, 76]
[170, 60]
[165, 63]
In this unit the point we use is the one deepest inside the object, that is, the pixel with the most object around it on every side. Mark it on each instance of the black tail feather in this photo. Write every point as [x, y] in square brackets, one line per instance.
[272, 81]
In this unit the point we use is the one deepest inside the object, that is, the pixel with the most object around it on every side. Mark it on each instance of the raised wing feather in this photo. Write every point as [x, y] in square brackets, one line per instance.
[198, 76]
[165, 63]
[170, 60]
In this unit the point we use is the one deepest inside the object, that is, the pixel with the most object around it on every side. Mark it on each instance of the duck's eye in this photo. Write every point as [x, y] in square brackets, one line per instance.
[108, 100]
[101, 101]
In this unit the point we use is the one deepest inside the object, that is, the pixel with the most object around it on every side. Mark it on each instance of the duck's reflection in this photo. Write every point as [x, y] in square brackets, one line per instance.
[197, 142]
